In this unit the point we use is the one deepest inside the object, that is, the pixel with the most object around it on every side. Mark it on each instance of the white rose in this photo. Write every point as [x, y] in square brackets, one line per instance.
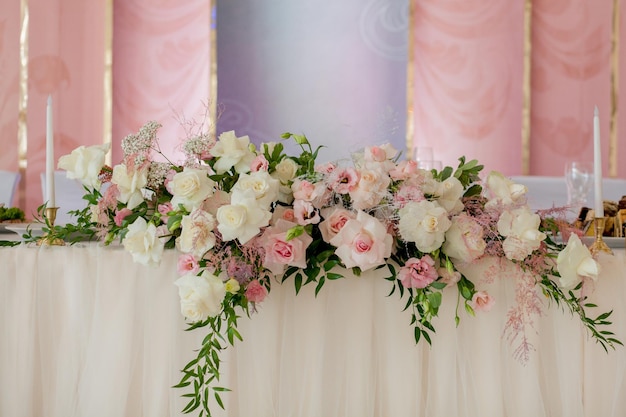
[197, 235]
[190, 188]
[575, 262]
[143, 243]
[450, 193]
[130, 185]
[200, 296]
[521, 229]
[265, 187]
[501, 190]
[232, 151]
[243, 218]
[84, 164]
[286, 171]
[464, 239]
[424, 223]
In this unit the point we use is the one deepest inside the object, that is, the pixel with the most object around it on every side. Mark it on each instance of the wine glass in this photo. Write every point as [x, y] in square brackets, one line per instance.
[579, 179]
[423, 153]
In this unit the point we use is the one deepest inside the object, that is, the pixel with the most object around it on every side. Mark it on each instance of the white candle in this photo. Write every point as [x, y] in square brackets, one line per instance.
[49, 156]
[597, 166]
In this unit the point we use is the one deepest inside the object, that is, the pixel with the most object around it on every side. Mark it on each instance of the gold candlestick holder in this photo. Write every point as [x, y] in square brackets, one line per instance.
[48, 239]
[598, 245]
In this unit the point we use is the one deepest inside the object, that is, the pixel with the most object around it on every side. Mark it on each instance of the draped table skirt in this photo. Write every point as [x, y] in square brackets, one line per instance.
[84, 331]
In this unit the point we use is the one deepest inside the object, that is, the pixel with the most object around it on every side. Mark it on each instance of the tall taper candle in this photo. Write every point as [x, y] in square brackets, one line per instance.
[597, 165]
[49, 156]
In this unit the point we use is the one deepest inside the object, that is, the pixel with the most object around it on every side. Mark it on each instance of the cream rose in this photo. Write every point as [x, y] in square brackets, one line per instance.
[200, 296]
[243, 218]
[502, 191]
[370, 190]
[449, 196]
[190, 188]
[197, 235]
[574, 263]
[130, 185]
[521, 229]
[464, 239]
[264, 186]
[143, 243]
[84, 164]
[232, 151]
[424, 223]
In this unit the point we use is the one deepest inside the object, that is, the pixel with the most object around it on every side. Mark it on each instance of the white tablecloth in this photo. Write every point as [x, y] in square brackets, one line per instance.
[86, 332]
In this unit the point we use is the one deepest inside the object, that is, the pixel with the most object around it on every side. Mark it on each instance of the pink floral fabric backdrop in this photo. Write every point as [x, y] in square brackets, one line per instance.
[161, 69]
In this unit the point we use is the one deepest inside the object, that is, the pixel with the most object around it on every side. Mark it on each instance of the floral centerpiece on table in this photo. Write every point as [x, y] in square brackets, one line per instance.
[245, 218]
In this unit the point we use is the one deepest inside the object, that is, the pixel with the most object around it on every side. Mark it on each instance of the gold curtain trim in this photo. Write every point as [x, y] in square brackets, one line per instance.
[410, 81]
[22, 128]
[107, 117]
[213, 68]
[526, 86]
[614, 90]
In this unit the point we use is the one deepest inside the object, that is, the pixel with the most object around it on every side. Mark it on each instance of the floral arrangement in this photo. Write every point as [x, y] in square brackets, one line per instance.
[245, 218]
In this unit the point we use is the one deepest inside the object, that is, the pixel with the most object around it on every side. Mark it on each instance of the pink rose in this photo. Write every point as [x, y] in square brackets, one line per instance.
[259, 163]
[482, 301]
[334, 220]
[120, 215]
[363, 242]
[418, 273]
[187, 264]
[280, 252]
[255, 292]
[305, 213]
[303, 190]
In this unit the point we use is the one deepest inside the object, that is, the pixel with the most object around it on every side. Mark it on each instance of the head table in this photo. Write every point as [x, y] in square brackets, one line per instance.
[84, 331]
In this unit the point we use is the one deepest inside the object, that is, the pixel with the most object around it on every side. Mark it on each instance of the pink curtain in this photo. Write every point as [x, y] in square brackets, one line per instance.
[469, 63]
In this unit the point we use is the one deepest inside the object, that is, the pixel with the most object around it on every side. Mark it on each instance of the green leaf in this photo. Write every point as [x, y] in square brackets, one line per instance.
[435, 299]
[298, 282]
[417, 333]
[333, 276]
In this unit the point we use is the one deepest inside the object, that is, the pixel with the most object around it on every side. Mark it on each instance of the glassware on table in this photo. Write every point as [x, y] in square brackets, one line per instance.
[579, 180]
[430, 165]
[423, 153]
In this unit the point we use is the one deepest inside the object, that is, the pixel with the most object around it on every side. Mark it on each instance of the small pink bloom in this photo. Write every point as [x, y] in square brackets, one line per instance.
[259, 163]
[408, 193]
[326, 168]
[344, 180]
[418, 273]
[305, 213]
[255, 292]
[449, 277]
[404, 170]
[164, 209]
[375, 153]
[120, 215]
[303, 190]
[482, 301]
[187, 264]
[285, 213]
